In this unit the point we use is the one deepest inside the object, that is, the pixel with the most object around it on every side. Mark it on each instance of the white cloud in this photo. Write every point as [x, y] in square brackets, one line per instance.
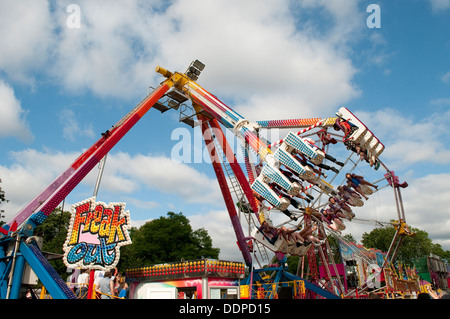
[31, 172]
[267, 67]
[257, 58]
[12, 118]
[221, 231]
[71, 127]
[249, 48]
[440, 5]
[162, 174]
[446, 77]
[342, 24]
[410, 141]
[26, 37]
[443, 102]
[113, 51]
[143, 204]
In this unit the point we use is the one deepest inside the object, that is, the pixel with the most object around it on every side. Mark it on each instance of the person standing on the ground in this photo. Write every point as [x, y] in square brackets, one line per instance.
[83, 282]
[123, 290]
[105, 286]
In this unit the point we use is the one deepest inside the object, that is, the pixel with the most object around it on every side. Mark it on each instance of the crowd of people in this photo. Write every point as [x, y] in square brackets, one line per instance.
[107, 284]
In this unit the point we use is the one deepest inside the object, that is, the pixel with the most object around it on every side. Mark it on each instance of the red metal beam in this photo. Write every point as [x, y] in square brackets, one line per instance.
[207, 136]
[50, 197]
[220, 137]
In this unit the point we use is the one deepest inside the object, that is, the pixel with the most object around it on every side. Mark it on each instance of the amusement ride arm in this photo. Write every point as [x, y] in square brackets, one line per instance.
[50, 197]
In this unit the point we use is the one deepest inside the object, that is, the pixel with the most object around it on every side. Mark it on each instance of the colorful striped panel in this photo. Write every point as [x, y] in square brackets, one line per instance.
[277, 177]
[289, 161]
[288, 123]
[329, 122]
[214, 106]
[248, 164]
[295, 123]
[264, 190]
[218, 114]
[299, 144]
[255, 142]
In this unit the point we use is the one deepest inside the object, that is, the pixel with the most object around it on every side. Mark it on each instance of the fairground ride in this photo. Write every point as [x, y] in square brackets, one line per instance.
[290, 181]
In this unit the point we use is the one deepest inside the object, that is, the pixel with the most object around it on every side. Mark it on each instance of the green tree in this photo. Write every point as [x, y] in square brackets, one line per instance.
[54, 232]
[411, 248]
[166, 239]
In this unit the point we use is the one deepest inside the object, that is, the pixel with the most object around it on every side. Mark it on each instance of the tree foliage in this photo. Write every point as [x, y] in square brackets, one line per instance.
[166, 239]
[410, 249]
[54, 232]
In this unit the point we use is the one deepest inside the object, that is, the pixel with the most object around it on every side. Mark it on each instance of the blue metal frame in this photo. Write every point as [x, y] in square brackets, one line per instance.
[5, 266]
[57, 288]
[281, 278]
[31, 254]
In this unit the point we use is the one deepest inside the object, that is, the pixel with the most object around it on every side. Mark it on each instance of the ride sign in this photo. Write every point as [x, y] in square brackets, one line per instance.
[96, 233]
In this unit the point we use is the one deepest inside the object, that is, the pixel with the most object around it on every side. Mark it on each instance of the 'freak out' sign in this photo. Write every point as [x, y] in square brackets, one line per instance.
[96, 233]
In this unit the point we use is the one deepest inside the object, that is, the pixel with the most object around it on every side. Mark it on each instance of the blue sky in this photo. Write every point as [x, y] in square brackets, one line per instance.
[61, 87]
